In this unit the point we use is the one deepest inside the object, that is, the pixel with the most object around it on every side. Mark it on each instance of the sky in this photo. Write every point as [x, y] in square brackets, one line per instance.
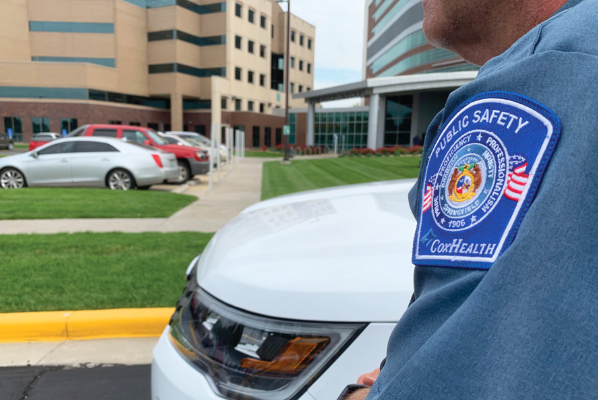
[339, 41]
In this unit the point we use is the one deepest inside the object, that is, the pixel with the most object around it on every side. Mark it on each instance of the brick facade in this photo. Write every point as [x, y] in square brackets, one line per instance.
[85, 113]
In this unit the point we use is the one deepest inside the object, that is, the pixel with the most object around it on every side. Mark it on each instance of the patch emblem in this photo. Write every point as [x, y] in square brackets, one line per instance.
[481, 177]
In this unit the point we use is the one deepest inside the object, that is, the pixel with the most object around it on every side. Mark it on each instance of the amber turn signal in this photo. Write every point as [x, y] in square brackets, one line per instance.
[292, 358]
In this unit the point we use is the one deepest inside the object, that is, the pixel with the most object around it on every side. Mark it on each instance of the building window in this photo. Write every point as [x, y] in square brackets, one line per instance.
[250, 106]
[237, 104]
[238, 73]
[238, 42]
[300, 88]
[262, 80]
[292, 87]
[268, 137]
[223, 103]
[397, 127]
[71, 27]
[301, 40]
[68, 125]
[40, 125]
[262, 108]
[272, 31]
[250, 45]
[263, 21]
[308, 89]
[256, 136]
[292, 62]
[13, 128]
[262, 51]
[114, 122]
[293, 36]
[132, 123]
[308, 68]
[300, 65]
[250, 76]
[278, 136]
[153, 126]
[293, 125]
[251, 16]
[201, 129]
[309, 44]
[238, 10]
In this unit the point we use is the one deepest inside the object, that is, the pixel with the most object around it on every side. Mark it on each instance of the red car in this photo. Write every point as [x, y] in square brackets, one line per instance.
[42, 138]
[192, 161]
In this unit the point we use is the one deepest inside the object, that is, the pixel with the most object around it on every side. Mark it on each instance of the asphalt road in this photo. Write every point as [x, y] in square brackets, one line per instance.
[57, 383]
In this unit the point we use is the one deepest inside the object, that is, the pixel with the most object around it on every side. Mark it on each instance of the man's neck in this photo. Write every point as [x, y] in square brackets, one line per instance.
[509, 27]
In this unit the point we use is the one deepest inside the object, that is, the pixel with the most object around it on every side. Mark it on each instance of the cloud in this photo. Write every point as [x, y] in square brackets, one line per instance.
[339, 31]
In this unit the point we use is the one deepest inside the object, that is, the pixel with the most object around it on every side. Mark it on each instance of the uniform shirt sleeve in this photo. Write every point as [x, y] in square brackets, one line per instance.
[527, 327]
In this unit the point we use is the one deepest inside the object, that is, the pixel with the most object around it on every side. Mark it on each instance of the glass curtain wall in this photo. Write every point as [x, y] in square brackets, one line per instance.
[397, 126]
[351, 128]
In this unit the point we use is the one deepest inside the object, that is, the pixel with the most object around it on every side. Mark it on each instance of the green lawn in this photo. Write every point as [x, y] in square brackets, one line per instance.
[86, 271]
[263, 154]
[53, 203]
[21, 145]
[303, 175]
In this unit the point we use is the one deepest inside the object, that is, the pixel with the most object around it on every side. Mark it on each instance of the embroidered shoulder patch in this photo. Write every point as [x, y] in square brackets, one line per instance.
[481, 177]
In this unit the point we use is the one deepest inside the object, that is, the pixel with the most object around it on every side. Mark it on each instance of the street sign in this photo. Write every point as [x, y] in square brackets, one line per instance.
[336, 138]
[287, 130]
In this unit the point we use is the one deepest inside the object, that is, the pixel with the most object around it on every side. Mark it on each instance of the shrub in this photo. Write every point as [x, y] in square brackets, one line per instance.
[379, 154]
[415, 150]
[399, 151]
[367, 152]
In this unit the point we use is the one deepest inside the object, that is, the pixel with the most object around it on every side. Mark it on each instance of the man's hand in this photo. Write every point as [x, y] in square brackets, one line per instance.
[361, 394]
[369, 378]
[365, 379]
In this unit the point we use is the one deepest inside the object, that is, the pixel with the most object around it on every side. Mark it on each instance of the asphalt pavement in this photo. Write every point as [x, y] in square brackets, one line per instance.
[85, 383]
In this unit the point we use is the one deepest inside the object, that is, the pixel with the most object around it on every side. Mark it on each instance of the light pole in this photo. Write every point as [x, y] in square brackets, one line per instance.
[287, 77]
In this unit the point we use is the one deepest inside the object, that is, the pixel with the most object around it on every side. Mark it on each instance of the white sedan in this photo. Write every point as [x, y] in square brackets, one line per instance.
[89, 162]
[293, 299]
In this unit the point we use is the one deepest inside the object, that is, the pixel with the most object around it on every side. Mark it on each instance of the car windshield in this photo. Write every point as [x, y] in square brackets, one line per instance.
[156, 137]
[195, 142]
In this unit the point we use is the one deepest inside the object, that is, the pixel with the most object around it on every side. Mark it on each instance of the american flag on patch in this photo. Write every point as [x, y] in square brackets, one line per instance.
[428, 198]
[516, 183]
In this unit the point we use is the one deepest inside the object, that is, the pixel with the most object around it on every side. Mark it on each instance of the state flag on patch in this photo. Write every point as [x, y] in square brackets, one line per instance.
[428, 198]
[516, 183]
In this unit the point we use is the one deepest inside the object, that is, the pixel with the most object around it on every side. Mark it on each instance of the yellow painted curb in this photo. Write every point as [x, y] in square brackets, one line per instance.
[82, 325]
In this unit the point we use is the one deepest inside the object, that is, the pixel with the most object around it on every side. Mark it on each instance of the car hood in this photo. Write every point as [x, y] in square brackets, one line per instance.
[175, 148]
[330, 255]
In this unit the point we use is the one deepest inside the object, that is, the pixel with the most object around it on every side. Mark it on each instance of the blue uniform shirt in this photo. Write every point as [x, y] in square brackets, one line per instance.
[524, 326]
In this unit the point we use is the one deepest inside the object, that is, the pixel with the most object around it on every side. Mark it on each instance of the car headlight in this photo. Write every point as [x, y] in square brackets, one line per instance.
[246, 356]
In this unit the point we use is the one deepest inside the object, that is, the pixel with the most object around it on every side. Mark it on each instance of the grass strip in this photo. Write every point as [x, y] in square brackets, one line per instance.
[90, 271]
[304, 175]
[54, 203]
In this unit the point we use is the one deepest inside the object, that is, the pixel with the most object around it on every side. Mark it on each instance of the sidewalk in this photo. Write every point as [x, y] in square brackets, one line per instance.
[237, 191]
[134, 351]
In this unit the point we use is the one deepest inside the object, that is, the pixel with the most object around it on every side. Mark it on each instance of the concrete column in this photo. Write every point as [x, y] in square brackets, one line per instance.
[311, 124]
[176, 112]
[373, 127]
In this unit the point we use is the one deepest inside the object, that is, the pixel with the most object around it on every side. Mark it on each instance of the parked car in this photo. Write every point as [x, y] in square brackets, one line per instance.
[195, 137]
[293, 299]
[6, 142]
[42, 138]
[89, 162]
[193, 142]
[191, 161]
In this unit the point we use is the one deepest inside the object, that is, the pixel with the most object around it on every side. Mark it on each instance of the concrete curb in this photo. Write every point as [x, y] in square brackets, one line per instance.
[82, 325]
